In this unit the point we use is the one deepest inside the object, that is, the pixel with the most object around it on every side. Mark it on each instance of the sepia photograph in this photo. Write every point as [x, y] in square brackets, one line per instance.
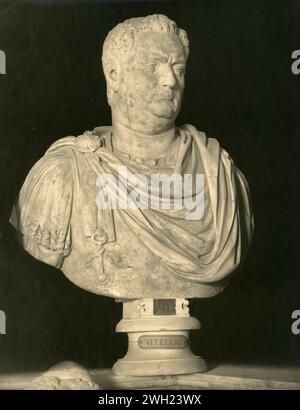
[149, 197]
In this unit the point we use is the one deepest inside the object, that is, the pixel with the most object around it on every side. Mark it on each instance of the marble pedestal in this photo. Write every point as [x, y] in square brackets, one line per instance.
[158, 338]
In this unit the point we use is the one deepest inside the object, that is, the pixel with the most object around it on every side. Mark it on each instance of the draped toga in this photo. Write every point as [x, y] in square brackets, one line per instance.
[143, 252]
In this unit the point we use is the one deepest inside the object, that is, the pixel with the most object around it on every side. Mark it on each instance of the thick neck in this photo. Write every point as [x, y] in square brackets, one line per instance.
[146, 146]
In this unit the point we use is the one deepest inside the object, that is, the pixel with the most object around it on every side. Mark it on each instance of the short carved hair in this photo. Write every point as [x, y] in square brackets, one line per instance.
[120, 40]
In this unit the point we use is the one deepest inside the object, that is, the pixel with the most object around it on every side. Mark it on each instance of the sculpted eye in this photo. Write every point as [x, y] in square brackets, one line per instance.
[179, 70]
[151, 67]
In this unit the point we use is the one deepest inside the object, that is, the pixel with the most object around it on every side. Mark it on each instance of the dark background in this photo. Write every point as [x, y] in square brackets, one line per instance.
[239, 88]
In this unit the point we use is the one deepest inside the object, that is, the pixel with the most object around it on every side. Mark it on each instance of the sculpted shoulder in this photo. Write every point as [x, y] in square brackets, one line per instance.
[54, 170]
[42, 212]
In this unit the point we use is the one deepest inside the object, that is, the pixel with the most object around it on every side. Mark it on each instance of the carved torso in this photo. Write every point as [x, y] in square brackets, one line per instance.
[103, 250]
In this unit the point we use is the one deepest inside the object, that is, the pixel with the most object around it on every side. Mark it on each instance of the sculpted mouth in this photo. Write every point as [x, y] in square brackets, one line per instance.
[166, 96]
[169, 96]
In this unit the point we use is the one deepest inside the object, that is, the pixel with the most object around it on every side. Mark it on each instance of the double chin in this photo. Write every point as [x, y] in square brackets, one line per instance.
[152, 119]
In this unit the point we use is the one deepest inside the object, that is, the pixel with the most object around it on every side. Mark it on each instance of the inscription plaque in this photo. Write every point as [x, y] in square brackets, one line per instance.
[163, 342]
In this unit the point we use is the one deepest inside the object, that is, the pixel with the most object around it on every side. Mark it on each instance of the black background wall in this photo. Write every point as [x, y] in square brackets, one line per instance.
[239, 88]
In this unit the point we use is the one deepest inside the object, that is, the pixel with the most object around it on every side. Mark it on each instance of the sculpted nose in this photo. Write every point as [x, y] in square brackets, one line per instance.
[169, 79]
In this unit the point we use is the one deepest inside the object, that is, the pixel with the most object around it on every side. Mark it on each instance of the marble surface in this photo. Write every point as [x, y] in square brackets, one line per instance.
[225, 376]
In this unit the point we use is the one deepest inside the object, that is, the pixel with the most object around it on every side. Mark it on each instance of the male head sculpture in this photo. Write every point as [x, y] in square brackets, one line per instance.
[144, 63]
[133, 252]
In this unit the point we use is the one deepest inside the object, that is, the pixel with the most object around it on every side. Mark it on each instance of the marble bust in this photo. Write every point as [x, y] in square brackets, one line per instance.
[129, 253]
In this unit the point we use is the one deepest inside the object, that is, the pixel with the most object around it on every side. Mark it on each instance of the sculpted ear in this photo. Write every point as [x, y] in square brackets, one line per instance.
[113, 74]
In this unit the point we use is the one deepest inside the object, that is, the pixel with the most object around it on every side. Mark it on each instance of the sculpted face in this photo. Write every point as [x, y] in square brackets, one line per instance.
[152, 82]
